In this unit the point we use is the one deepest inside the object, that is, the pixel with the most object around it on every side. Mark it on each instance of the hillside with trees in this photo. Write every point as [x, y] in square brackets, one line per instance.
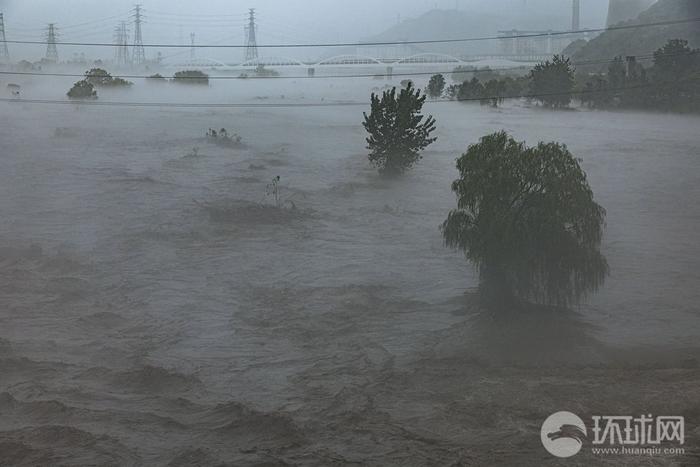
[642, 41]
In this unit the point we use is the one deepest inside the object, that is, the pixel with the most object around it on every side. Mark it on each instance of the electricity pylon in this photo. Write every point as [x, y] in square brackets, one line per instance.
[139, 51]
[193, 50]
[121, 40]
[251, 43]
[4, 51]
[51, 49]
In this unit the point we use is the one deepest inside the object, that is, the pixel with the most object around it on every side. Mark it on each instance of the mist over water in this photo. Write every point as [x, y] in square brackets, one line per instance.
[150, 296]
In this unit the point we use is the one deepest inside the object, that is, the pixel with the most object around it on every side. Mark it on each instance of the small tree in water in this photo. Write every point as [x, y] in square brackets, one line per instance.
[397, 130]
[527, 219]
[436, 86]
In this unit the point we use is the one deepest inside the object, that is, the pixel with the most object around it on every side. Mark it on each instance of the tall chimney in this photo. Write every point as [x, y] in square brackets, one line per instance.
[576, 18]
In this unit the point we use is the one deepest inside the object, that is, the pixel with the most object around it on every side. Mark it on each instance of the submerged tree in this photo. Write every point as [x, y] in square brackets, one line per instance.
[470, 91]
[398, 132]
[527, 219]
[493, 93]
[552, 83]
[82, 90]
[436, 86]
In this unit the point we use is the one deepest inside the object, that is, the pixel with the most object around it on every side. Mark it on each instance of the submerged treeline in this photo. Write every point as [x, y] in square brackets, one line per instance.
[671, 83]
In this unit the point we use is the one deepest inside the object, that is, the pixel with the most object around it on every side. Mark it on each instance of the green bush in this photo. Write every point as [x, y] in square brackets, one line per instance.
[191, 77]
[82, 90]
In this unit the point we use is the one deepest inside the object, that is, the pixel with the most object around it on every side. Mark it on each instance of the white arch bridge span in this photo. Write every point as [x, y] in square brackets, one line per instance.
[364, 60]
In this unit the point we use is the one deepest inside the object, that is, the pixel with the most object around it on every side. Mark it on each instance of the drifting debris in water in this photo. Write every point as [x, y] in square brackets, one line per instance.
[273, 189]
[242, 213]
[223, 138]
[15, 90]
[65, 132]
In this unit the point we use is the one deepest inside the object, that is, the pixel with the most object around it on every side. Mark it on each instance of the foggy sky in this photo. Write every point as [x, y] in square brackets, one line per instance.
[280, 21]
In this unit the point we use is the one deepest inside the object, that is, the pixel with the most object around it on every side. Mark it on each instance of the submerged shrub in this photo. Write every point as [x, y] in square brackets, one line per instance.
[82, 90]
[191, 77]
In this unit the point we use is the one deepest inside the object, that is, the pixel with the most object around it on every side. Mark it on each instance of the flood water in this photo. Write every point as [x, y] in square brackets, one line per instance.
[156, 310]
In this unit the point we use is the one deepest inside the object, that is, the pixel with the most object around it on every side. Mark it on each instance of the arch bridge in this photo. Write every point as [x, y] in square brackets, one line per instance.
[358, 60]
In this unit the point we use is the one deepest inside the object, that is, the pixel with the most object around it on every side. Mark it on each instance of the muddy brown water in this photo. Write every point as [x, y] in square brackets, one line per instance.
[155, 310]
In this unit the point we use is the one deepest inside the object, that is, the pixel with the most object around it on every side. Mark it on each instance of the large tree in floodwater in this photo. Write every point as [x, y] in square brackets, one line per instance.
[527, 219]
[398, 132]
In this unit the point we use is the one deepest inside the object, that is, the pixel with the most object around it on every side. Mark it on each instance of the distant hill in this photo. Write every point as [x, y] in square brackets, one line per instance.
[624, 10]
[480, 19]
[643, 41]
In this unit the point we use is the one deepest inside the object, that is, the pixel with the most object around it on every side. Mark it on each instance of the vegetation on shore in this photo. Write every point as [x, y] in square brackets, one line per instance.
[671, 83]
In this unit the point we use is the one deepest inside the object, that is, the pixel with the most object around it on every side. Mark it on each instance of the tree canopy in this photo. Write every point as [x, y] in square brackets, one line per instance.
[436, 86]
[671, 83]
[397, 130]
[527, 219]
[99, 77]
[552, 82]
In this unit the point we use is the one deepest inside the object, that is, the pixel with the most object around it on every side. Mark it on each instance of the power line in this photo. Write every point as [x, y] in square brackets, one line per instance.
[203, 16]
[98, 103]
[386, 43]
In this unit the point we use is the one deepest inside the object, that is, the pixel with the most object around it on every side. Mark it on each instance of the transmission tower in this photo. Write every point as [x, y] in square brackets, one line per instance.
[51, 50]
[4, 52]
[193, 50]
[251, 43]
[139, 51]
[121, 40]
